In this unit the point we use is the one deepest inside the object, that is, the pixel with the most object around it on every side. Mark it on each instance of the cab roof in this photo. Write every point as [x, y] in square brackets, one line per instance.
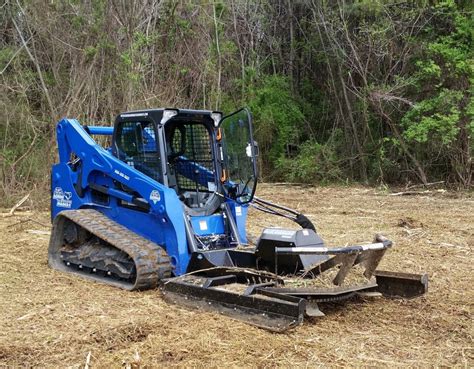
[157, 113]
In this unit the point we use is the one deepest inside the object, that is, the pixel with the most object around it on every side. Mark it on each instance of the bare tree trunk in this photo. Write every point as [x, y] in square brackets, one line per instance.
[219, 59]
[38, 70]
[462, 161]
[350, 114]
[291, 69]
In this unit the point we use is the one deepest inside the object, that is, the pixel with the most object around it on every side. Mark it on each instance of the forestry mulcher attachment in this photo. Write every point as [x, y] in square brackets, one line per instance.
[165, 205]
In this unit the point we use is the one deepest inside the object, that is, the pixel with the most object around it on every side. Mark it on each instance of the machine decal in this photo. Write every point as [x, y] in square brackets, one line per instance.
[123, 175]
[63, 198]
[203, 225]
[155, 196]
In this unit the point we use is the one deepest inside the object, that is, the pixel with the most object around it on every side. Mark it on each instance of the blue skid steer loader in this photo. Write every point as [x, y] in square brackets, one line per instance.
[165, 205]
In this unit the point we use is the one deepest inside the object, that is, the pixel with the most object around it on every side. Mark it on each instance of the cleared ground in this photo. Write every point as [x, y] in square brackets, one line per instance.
[51, 319]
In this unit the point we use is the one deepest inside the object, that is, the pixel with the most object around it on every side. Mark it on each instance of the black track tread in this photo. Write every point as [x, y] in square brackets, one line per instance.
[151, 261]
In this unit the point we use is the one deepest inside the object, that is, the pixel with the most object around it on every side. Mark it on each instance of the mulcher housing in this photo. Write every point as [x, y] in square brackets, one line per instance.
[166, 204]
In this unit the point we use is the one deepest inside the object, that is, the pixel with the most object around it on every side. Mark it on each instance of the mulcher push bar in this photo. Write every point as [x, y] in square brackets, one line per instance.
[333, 250]
[368, 256]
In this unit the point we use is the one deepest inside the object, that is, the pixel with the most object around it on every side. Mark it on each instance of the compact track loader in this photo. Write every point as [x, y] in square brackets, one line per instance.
[166, 206]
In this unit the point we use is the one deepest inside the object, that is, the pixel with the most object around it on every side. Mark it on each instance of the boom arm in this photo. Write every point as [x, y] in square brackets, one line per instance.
[72, 138]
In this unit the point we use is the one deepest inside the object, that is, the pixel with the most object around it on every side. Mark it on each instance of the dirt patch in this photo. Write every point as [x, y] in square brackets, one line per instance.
[50, 319]
[409, 222]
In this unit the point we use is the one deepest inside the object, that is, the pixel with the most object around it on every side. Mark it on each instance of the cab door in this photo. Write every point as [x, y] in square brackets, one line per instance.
[239, 156]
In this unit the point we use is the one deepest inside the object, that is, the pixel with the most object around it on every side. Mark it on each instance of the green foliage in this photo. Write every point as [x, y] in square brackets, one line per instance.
[384, 166]
[428, 69]
[435, 119]
[277, 115]
[78, 21]
[90, 52]
[126, 58]
[6, 54]
[443, 117]
[314, 162]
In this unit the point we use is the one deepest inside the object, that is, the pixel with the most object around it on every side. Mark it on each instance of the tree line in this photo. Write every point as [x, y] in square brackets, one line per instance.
[364, 91]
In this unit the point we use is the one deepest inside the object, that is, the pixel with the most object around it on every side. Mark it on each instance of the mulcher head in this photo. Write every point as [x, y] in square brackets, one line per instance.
[286, 276]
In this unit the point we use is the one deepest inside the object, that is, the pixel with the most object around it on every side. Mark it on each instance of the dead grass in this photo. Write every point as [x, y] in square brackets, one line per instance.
[354, 277]
[50, 319]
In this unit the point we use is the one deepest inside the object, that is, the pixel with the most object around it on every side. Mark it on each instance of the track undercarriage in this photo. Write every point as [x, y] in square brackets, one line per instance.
[87, 243]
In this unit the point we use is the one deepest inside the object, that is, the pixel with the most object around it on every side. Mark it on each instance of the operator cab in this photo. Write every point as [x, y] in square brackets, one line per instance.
[205, 158]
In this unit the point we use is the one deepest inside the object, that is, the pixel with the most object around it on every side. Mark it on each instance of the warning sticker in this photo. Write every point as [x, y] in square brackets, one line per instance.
[280, 232]
[238, 211]
[211, 186]
[203, 225]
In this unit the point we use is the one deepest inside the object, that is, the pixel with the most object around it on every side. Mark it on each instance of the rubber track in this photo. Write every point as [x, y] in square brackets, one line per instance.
[151, 261]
